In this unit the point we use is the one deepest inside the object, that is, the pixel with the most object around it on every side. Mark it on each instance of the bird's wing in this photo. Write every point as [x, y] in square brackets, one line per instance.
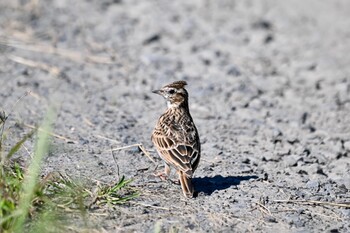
[178, 146]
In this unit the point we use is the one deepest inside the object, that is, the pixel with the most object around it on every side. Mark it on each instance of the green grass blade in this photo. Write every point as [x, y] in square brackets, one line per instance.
[18, 145]
[31, 178]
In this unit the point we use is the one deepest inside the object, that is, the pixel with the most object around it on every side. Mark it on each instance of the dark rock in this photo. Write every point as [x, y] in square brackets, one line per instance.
[268, 39]
[206, 62]
[233, 71]
[262, 24]
[270, 219]
[304, 117]
[306, 152]
[152, 39]
[321, 172]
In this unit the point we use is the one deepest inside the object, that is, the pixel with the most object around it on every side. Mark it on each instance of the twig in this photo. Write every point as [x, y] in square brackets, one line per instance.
[310, 202]
[52, 134]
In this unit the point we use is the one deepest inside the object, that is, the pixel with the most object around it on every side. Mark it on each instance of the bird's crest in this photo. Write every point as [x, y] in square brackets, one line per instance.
[177, 84]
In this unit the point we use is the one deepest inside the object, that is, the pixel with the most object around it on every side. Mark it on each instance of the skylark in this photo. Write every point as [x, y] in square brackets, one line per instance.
[175, 136]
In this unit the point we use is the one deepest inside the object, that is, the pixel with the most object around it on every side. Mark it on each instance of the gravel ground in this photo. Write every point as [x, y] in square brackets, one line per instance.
[269, 85]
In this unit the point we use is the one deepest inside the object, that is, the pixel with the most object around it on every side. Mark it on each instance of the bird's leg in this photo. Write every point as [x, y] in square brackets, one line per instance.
[164, 175]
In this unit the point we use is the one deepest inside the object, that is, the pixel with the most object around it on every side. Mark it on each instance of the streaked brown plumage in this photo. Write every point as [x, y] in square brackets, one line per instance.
[175, 136]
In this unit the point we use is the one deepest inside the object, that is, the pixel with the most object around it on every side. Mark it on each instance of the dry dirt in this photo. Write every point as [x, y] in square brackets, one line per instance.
[269, 85]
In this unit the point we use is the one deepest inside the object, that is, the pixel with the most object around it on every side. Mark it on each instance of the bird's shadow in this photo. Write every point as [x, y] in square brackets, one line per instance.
[208, 185]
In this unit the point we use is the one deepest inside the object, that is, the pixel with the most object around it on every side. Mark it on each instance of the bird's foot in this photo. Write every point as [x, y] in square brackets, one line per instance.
[161, 175]
[164, 176]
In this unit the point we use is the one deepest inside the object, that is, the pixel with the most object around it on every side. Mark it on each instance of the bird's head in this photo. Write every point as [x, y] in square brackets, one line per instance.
[174, 93]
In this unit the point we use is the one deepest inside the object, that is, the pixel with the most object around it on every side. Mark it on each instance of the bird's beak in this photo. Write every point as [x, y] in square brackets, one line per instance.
[159, 92]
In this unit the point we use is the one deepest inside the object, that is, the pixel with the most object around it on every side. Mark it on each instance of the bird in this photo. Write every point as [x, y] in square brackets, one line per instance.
[176, 138]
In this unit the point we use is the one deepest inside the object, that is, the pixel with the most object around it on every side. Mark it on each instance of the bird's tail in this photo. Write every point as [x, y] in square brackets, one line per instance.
[186, 184]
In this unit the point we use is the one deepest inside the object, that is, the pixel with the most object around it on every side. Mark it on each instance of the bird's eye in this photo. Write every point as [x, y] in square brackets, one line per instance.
[171, 91]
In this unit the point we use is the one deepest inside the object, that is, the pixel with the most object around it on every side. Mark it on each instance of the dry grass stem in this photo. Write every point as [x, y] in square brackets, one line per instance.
[65, 53]
[125, 147]
[147, 205]
[147, 153]
[336, 217]
[310, 202]
[88, 122]
[263, 208]
[109, 139]
[53, 70]
[140, 146]
[52, 134]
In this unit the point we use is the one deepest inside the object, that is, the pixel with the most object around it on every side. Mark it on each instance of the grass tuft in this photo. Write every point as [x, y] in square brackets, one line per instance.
[51, 204]
[118, 193]
[31, 178]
